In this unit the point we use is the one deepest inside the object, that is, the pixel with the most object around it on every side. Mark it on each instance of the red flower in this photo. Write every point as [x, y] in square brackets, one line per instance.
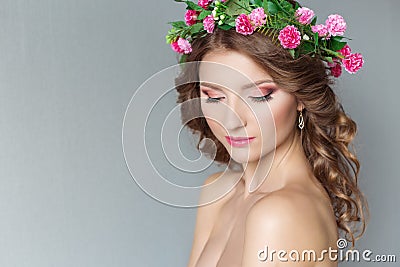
[353, 62]
[336, 70]
[190, 17]
[289, 37]
[345, 51]
[204, 3]
[243, 25]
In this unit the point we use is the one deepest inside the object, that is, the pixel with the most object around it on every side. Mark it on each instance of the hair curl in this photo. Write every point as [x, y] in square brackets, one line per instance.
[328, 130]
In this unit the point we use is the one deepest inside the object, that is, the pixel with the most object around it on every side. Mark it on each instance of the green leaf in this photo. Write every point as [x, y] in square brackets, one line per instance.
[316, 39]
[329, 59]
[168, 39]
[232, 24]
[292, 52]
[337, 45]
[314, 21]
[193, 6]
[287, 7]
[225, 27]
[280, 7]
[237, 7]
[258, 3]
[271, 7]
[183, 58]
[306, 48]
[178, 24]
[204, 14]
[337, 38]
[196, 27]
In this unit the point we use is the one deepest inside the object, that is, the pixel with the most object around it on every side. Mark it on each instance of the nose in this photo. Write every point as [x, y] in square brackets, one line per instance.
[234, 116]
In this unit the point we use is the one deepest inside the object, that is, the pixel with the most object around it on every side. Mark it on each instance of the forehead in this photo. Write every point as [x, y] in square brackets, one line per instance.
[230, 69]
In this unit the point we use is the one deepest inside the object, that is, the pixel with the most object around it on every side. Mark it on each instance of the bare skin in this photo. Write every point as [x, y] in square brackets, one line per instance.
[295, 215]
[289, 210]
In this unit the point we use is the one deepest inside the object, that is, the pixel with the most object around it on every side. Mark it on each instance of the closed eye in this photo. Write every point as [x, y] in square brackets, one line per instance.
[258, 99]
[213, 99]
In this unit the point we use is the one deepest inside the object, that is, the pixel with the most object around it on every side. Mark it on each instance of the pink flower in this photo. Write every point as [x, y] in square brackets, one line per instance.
[336, 69]
[209, 24]
[304, 15]
[336, 25]
[258, 17]
[190, 17]
[289, 37]
[321, 29]
[185, 45]
[176, 48]
[353, 62]
[345, 51]
[243, 25]
[204, 3]
[181, 46]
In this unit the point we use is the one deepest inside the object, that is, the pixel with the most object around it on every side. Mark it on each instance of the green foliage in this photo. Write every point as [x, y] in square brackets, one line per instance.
[292, 52]
[204, 14]
[270, 7]
[270, 32]
[237, 7]
[336, 43]
[178, 24]
[316, 40]
[306, 48]
[183, 59]
[225, 27]
[258, 3]
[283, 6]
[314, 21]
[191, 5]
[196, 27]
[329, 59]
[230, 22]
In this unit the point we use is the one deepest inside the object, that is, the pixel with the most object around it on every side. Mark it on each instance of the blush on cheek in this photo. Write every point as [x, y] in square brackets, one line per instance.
[216, 128]
[284, 117]
[213, 124]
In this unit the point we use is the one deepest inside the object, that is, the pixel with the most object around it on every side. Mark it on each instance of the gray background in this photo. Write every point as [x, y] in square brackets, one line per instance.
[67, 72]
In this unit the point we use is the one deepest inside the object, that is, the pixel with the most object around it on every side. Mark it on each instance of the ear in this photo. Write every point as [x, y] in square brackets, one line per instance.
[300, 106]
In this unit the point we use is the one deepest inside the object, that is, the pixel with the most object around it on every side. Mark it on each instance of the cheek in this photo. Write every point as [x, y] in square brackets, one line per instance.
[285, 117]
[215, 127]
[214, 115]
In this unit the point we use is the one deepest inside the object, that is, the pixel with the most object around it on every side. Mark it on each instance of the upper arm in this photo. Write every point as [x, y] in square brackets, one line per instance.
[279, 223]
[204, 223]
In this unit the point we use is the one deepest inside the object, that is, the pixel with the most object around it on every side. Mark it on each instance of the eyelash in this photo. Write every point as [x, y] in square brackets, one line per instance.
[258, 99]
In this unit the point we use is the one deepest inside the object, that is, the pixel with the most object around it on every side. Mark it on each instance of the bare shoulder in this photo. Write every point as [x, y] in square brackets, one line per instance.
[212, 178]
[289, 207]
[287, 219]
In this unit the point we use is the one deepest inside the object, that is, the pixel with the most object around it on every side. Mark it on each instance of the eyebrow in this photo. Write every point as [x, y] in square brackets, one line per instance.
[244, 87]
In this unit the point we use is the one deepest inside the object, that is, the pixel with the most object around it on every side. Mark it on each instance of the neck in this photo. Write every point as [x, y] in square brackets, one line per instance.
[275, 170]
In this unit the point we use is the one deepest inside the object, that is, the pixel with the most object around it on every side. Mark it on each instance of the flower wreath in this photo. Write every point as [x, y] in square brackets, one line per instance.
[294, 27]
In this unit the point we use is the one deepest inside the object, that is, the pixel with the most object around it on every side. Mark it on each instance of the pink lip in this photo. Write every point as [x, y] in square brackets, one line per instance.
[239, 141]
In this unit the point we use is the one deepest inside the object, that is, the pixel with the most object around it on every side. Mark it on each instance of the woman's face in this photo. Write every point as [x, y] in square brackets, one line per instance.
[246, 111]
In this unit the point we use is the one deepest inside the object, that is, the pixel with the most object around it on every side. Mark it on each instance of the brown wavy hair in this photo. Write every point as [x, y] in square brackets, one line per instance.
[328, 133]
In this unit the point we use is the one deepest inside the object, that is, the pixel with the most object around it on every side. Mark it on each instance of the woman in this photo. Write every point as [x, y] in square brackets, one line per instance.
[297, 188]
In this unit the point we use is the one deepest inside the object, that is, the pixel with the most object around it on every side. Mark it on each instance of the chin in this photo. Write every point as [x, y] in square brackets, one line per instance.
[243, 155]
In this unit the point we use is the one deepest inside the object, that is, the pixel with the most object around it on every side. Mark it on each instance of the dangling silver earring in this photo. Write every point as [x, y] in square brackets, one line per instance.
[301, 120]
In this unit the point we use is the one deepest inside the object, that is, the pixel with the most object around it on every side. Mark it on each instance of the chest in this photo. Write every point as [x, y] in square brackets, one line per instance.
[225, 244]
